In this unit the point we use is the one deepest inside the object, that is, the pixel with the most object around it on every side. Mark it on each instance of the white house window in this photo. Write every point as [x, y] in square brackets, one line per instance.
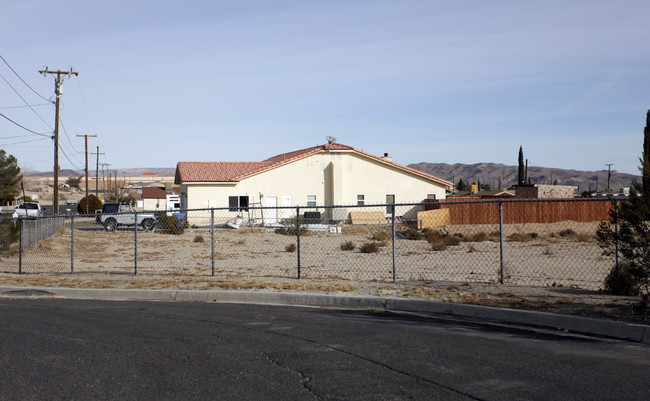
[238, 203]
[311, 200]
[361, 200]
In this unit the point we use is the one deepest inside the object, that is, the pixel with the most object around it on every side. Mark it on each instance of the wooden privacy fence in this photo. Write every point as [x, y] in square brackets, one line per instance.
[524, 211]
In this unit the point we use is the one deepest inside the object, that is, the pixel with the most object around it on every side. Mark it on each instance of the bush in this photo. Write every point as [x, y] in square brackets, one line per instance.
[290, 248]
[380, 235]
[348, 246]
[93, 204]
[633, 240]
[198, 238]
[522, 237]
[369, 247]
[9, 231]
[438, 246]
[620, 281]
[437, 237]
[477, 237]
[567, 233]
[291, 227]
[412, 234]
[171, 224]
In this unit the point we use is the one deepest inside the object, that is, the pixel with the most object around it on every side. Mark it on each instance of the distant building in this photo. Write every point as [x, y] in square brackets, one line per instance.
[537, 191]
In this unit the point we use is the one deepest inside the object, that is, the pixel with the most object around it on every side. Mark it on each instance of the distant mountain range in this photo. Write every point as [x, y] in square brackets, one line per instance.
[492, 174]
[486, 173]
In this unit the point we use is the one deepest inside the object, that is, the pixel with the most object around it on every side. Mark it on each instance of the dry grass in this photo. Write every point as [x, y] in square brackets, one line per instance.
[348, 246]
[290, 248]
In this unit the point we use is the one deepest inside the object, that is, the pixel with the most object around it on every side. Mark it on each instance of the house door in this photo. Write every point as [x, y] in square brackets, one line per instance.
[286, 202]
[271, 215]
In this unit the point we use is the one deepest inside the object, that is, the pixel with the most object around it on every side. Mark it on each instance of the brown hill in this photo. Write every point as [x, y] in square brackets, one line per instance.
[493, 174]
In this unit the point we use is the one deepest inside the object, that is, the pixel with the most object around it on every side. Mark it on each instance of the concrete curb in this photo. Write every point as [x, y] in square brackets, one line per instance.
[605, 328]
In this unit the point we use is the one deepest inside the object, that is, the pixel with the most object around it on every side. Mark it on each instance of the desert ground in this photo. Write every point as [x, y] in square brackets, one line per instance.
[560, 254]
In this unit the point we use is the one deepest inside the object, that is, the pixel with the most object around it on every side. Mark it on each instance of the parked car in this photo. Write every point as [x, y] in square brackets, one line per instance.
[28, 209]
[119, 214]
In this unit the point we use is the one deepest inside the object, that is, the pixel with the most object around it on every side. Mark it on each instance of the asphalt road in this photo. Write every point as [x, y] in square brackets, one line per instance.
[72, 349]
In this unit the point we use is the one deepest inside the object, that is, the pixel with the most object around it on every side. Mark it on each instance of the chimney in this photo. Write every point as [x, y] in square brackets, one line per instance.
[385, 157]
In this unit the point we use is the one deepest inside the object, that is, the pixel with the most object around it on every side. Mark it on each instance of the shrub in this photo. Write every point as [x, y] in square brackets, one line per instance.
[522, 237]
[412, 234]
[567, 233]
[348, 246]
[436, 237]
[369, 247]
[620, 281]
[632, 241]
[9, 231]
[290, 248]
[476, 237]
[93, 204]
[380, 235]
[171, 224]
[438, 246]
[290, 227]
[198, 238]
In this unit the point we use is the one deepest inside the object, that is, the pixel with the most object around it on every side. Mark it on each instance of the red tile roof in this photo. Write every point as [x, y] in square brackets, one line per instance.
[235, 171]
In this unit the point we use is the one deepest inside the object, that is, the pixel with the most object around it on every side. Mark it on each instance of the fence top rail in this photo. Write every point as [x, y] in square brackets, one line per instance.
[322, 207]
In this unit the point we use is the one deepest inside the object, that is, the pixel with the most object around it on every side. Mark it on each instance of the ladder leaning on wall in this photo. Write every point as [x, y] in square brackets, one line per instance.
[253, 217]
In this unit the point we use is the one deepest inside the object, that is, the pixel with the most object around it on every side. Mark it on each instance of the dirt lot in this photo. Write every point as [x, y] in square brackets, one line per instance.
[556, 268]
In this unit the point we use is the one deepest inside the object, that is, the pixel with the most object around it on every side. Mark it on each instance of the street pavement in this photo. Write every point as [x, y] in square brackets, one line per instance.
[56, 348]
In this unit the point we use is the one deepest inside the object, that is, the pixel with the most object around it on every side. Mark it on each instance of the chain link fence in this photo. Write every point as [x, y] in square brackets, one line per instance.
[526, 242]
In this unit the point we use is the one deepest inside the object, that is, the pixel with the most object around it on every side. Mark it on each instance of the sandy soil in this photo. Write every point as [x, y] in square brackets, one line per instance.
[546, 258]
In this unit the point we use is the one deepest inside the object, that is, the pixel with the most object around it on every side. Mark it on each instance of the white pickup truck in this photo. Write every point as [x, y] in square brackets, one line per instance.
[28, 210]
[120, 214]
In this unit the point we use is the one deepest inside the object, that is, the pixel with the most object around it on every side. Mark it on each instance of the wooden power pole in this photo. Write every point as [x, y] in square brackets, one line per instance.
[58, 86]
[97, 172]
[85, 136]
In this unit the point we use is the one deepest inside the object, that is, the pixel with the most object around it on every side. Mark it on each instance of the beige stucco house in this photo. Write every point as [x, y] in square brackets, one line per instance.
[324, 175]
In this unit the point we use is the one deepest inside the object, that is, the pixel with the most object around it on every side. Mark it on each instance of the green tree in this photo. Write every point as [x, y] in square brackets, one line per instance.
[521, 170]
[461, 186]
[632, 239]
[645, 158]
[10, 177]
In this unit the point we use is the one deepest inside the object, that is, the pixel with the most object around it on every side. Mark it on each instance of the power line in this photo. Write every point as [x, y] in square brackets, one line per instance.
[18, 143]
[26, 84]
[66, 156]
[25, 101]
[26, 129]
[22, 107]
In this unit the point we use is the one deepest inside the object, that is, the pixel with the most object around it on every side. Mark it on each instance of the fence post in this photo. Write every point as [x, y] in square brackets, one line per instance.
[501, 241]
[298, 238]
[392, 235]
[20, 246]
[135, 244]
[616, 229]
[212, 238]
[71, 243]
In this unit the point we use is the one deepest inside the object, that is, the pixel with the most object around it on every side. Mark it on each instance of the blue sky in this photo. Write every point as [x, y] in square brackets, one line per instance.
[453, 81]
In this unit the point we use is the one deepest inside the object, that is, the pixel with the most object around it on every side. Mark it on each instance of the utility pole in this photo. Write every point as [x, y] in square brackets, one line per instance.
[609, 173]
[58, 86]
[85, 136]
[104, 165]
[97, 172]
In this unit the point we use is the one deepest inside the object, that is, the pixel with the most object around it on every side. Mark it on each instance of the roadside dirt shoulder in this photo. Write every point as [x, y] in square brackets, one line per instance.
[595, 304]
